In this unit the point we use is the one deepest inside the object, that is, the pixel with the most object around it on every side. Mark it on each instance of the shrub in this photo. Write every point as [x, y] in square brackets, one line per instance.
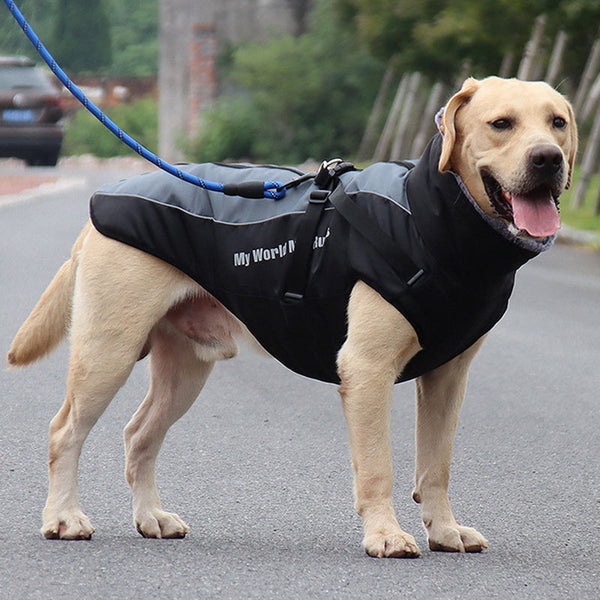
[84, 134]
[227, 130]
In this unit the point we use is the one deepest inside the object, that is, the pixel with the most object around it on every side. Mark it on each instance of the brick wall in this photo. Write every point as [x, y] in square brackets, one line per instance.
[203, 82]
[191, 34]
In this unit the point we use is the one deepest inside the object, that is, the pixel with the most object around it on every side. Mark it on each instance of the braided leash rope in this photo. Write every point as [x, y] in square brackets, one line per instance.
[253, 189]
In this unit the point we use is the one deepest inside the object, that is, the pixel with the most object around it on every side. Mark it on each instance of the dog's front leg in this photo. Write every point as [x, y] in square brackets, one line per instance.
[379, 344]
[439, 398]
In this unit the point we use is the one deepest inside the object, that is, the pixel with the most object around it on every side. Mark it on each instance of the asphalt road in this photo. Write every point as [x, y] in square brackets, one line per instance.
[259, 467]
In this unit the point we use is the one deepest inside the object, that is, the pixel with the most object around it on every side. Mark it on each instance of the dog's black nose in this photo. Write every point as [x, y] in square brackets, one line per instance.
[546, 159]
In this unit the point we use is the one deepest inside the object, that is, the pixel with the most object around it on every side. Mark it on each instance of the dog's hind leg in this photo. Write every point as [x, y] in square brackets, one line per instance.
[89, 391]
[379, 345]
[178, 373]
[439, 398]
[112, 318]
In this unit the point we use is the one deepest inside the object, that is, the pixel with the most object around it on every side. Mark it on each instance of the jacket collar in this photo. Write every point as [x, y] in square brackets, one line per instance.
[455, 230]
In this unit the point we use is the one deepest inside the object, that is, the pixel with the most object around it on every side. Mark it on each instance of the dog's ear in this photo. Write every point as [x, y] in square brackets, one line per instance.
[469, 87]
[573, 140]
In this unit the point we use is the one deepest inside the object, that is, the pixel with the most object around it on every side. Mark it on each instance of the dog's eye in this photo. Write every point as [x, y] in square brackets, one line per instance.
[501, 124]
[559, 123]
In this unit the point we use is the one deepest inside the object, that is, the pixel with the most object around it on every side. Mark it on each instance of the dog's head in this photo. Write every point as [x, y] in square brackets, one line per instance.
[513, 143]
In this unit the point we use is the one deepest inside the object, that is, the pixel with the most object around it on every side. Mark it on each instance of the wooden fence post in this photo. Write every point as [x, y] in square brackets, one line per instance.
[405, 115]
[532, 48]
[556, 58]
[385, 139]
[591, 100]
[465, 71]
[588, 165]
[506, 67]
[597, 203]
[375, 116]
[589, 73]
[427, 123]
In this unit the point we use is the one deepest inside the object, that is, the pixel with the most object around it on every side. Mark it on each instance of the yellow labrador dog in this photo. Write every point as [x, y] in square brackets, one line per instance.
[508, 145]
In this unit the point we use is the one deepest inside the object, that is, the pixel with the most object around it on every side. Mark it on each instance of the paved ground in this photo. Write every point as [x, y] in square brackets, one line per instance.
[259, 467]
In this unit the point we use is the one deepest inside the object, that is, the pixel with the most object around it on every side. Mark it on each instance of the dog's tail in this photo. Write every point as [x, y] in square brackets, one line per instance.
[49, 321]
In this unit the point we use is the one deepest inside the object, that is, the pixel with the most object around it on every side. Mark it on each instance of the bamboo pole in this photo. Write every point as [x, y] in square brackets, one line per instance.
[368, 138]
[527, 66]
[382, 149]
[405, 116]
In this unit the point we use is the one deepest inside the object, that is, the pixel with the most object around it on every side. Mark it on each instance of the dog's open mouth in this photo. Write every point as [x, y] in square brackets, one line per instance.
[535, 211]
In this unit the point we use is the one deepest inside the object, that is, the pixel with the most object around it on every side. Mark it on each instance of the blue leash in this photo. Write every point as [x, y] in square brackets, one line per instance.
[251, 189]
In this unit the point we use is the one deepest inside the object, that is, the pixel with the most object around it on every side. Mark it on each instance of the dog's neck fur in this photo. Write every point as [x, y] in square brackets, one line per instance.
[510, 233]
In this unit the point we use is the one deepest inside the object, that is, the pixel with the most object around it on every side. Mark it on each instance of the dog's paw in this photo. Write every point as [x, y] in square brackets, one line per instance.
[456, 539]
[392, 545]
[160, 524]
[67, 526]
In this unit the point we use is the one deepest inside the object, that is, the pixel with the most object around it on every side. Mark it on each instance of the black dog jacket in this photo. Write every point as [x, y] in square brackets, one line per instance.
[286, 268]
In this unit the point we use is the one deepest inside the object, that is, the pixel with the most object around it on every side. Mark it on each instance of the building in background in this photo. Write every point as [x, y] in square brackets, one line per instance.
[192, 32]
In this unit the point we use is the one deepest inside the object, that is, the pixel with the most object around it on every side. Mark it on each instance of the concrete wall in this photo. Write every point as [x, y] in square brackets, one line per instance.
[191, 34]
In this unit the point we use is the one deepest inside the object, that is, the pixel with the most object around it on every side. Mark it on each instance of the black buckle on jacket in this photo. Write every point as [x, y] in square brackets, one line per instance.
[330, 170]
[292, 297]
[319, 196]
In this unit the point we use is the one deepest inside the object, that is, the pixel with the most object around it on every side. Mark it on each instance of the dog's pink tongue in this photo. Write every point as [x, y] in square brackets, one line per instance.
[536, 213]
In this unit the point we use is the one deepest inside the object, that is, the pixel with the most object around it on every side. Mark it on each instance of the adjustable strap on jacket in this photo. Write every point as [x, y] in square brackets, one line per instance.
[326, 178]
[360, 220]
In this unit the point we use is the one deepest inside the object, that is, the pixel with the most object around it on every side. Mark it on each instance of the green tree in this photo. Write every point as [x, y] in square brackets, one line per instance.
[134, 33]
[437, 36]
[118, 36]
[12, 39]
[81, 38]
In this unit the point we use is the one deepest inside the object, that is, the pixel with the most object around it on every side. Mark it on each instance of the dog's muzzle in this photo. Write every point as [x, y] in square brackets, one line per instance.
[532, 207]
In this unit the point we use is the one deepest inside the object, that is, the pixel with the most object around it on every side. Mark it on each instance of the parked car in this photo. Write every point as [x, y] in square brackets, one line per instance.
[30, 112]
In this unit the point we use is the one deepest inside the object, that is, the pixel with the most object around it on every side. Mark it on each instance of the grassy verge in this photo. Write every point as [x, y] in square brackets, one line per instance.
[583, 218]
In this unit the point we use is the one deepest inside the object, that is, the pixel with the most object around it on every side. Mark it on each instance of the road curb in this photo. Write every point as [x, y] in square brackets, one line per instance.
[576, 237]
